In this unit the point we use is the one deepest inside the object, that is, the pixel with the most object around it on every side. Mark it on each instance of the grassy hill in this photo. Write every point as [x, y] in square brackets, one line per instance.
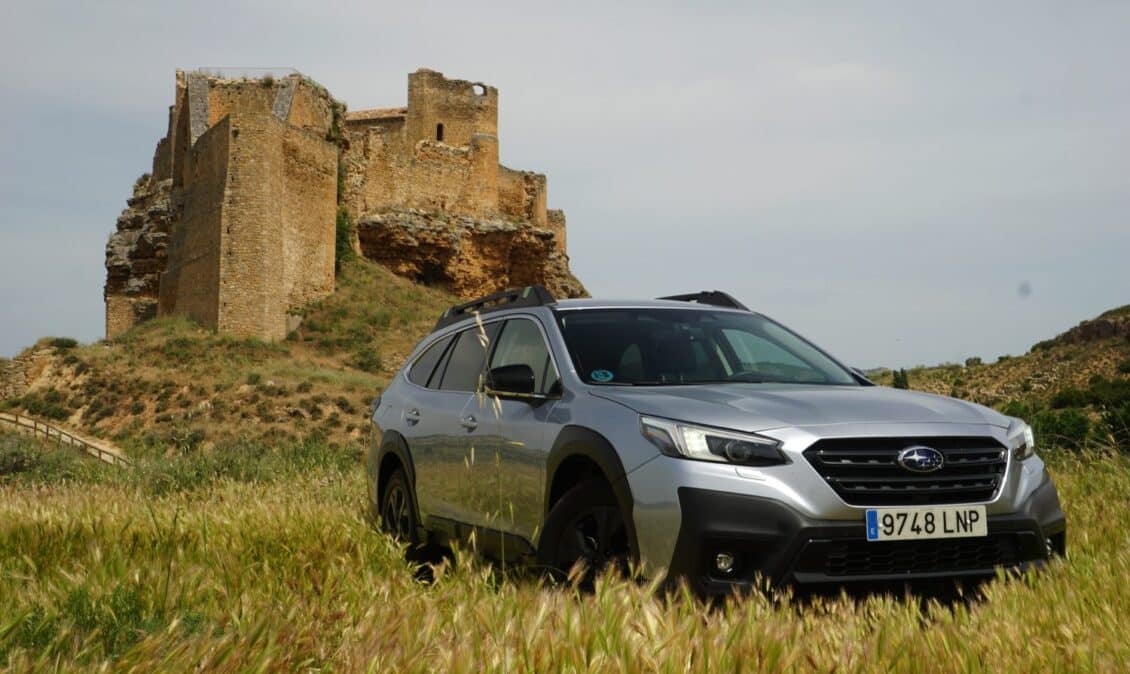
[170, 383]
[1073, 388]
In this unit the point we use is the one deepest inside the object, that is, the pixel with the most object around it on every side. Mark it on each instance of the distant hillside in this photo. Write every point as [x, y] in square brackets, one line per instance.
[170, 383]
[1075, 386]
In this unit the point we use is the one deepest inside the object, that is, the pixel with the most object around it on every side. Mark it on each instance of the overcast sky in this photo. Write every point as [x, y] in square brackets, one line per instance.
[888, 180]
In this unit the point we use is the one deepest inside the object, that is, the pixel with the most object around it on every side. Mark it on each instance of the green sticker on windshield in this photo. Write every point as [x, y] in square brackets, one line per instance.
[601, 375]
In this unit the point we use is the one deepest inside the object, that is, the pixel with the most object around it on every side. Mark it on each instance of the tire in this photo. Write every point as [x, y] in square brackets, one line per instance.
[397, 510]
[585, 526]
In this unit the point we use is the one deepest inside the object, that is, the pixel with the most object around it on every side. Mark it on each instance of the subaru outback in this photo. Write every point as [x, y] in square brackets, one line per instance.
[692, 437]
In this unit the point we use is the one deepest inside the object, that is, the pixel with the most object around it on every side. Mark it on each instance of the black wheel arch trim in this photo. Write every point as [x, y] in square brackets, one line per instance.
[585, 442]
[394, 443]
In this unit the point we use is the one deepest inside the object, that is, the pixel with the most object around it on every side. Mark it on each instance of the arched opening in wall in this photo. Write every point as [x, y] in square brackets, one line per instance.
[439, 132]
[479, 89]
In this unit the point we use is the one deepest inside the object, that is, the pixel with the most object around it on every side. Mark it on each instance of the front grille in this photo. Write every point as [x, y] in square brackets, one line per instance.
[860, 557]
[865, 471]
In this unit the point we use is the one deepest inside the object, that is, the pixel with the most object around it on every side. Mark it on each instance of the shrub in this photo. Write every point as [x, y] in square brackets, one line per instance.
[900, 379]
[254, 378]
[343, 249]
[367, 360]
[972, 362]
[304, 387]
[1066, 428]
[64, 343]
[1109, 392]
[1018, 409]
[1124, 366]
[1069, 397]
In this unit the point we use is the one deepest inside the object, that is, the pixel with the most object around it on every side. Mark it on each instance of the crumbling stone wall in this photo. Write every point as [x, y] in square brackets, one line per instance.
[235, 225]
[190, 283]
[439, 156]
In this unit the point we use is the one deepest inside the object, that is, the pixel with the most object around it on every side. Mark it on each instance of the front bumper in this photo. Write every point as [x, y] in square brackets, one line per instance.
[770, 540]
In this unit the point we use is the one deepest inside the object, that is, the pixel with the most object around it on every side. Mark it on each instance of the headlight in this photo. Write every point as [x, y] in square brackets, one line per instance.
[711, 444]
[1023, 442]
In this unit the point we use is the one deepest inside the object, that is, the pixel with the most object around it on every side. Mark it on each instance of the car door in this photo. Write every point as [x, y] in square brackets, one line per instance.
[515, 464]
[429, 417]
[445, 480]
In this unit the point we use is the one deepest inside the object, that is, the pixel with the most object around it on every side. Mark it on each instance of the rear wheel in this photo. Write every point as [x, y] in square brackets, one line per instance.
[398, 515]
[585, 533]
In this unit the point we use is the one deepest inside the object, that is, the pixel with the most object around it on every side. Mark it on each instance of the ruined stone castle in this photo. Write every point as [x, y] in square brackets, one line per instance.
[235, 225]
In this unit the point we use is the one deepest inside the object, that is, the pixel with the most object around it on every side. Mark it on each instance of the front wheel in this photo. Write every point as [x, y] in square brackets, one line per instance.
[398, 516]
[585, 534]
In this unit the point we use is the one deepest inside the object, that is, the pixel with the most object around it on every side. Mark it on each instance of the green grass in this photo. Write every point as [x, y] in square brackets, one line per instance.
[266, 561]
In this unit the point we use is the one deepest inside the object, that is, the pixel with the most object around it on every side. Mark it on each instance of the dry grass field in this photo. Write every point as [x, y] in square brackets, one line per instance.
[265, 562]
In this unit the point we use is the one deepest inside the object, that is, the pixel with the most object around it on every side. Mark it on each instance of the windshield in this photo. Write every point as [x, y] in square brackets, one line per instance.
[664, 347]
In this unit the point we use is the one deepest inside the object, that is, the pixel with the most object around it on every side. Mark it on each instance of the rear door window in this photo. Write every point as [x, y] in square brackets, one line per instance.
[465, 364]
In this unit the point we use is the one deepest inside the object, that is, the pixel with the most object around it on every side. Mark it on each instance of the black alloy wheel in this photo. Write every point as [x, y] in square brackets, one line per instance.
[585, 527]
[398, 516]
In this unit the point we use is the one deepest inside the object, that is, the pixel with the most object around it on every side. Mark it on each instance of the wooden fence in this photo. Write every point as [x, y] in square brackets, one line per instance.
[101, 450]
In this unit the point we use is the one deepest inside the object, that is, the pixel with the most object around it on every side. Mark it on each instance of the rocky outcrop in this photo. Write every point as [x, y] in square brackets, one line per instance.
[136, 253]
[467, 256]
[1113, 324]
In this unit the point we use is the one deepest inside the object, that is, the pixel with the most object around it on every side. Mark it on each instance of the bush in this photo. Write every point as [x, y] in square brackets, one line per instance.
[1069, 397]
[900, 379]
[64, 343]
[1124, 366]
[1018, 409]
[1108, 392]
[972, 362]
[367, 360]
[1067, 428]
[343, 248]
[254, 378]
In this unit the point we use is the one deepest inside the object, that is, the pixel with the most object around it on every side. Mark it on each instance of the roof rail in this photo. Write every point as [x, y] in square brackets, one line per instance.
[529, 296]
[715, 298]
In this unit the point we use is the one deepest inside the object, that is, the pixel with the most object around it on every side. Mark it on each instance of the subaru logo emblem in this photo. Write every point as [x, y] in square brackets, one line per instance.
[919, 459]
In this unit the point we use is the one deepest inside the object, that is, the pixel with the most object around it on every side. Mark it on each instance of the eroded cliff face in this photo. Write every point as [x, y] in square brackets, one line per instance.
[467, 256]
[136, 255]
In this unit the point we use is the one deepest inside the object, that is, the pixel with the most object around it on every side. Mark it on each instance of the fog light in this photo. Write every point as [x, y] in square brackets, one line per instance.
[724, 562]
[1050, 546]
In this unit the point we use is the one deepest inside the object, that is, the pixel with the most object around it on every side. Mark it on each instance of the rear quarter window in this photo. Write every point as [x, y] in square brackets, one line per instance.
[421, 371]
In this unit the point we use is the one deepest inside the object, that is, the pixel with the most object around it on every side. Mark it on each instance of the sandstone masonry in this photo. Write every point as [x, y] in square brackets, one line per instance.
[235, 225]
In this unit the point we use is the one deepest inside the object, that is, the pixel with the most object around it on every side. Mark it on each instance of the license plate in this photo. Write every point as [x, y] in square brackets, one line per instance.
[900, 524]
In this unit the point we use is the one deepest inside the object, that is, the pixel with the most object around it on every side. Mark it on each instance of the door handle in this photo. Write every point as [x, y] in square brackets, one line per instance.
[469, 422]
[412, 416]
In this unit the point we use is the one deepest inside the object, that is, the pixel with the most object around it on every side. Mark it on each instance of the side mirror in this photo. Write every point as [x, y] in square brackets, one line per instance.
[512, 380]
[862, 376]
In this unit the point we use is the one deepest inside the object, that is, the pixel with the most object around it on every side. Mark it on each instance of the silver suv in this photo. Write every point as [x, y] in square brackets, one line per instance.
[698, 439]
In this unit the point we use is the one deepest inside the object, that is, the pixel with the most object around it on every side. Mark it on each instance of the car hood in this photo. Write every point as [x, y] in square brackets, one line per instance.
[760, 407]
